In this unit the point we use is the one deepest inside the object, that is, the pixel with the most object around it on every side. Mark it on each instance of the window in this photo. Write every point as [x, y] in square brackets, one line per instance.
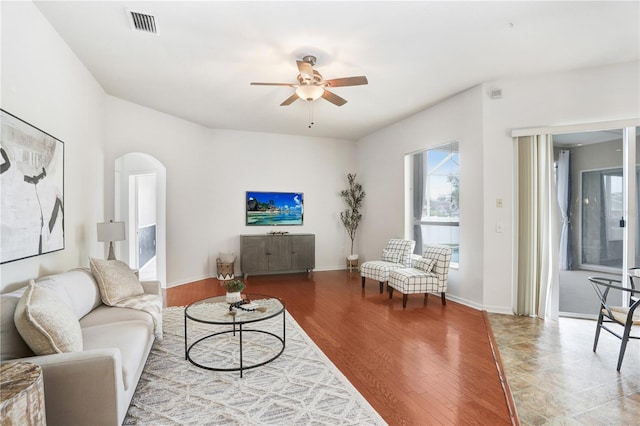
[435, 181]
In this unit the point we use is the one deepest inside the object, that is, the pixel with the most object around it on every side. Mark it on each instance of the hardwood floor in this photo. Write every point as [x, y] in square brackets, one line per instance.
[427, 364]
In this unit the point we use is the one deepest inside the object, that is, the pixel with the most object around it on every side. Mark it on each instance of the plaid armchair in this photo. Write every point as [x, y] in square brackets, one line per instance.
[396, 254]
[429, 274]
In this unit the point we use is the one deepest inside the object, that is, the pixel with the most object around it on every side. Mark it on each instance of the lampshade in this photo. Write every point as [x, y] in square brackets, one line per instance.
[111, 231]
[309, 93]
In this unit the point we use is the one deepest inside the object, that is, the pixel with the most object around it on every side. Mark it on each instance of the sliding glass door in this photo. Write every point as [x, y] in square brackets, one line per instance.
[603, 219]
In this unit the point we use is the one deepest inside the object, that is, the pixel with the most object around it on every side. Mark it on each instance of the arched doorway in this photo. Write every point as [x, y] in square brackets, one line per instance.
[140, 201]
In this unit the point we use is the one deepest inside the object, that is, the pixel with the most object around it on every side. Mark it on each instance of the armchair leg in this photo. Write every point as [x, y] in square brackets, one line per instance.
[363, 278]
[404, 301]
[426, 298]
[390, 292]
[381, 286]
[444, 301]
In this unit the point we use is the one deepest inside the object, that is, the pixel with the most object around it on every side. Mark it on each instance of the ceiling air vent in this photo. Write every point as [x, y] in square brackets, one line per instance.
[142, 22]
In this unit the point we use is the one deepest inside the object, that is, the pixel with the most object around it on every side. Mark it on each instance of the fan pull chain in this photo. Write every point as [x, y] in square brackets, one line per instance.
[310, 113]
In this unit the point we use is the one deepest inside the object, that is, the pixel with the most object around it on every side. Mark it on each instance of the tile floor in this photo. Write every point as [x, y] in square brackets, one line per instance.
[556, 379]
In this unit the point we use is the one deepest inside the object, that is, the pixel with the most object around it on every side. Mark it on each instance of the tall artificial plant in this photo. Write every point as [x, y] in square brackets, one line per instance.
[351, 217]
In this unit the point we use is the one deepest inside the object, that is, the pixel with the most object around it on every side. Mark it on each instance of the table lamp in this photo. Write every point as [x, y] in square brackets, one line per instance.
[109, 232]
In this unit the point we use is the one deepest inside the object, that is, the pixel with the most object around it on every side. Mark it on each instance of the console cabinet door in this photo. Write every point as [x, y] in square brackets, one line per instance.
[303, 252]
[253, 255]
[278, 253]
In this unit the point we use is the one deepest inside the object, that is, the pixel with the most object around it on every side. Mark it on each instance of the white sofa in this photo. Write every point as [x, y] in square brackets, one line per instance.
[93, 386]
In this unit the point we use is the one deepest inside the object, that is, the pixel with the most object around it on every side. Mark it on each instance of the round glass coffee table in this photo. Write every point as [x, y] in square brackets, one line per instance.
[223, 350]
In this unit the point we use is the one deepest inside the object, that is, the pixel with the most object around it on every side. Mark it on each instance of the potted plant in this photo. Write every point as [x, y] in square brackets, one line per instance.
[351, 217]
[233, 287]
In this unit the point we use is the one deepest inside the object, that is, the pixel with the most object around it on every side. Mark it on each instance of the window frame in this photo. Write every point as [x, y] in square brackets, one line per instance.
[428, 220]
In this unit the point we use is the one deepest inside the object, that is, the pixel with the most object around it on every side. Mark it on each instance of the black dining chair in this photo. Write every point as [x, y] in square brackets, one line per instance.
[624, 316]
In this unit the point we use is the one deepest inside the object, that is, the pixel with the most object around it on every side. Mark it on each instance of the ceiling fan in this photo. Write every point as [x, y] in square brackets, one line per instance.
[312, 86]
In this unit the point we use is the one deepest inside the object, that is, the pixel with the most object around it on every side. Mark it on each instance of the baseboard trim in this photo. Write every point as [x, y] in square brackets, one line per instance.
[463, 301]
[479, 306]
[190, 280]
[499, 310]
[578, 315]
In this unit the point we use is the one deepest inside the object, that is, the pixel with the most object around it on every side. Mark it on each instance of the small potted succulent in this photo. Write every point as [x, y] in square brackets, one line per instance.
[233, 287]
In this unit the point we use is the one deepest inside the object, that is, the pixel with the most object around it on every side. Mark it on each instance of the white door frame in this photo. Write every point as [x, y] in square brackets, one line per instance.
[139, 163]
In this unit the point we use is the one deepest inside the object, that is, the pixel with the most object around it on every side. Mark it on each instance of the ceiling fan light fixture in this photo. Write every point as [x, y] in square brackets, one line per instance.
[309, 92]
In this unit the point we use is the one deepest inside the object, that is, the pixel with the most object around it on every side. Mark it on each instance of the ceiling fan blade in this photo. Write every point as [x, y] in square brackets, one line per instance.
[347, 81]
[306, 70]
[291, 99]
[333, 98]
[274, 84]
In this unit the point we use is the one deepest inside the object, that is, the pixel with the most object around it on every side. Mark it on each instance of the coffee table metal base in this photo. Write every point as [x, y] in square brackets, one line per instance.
[240, 331]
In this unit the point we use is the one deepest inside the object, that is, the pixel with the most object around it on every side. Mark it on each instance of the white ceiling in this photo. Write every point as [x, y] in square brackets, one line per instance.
[414, 54]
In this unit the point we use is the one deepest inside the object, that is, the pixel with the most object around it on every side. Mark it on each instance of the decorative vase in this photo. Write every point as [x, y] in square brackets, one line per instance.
[233, 297]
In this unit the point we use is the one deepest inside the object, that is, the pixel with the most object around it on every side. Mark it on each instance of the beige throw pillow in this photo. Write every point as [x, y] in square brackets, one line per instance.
[116, 280]
[46, 323]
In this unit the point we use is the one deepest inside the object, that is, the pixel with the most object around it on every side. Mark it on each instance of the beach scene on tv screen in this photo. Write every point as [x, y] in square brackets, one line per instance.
[274, 208]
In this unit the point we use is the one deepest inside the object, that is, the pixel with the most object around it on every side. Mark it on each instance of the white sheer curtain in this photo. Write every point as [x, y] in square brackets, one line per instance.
[564, 200]
[537, 291]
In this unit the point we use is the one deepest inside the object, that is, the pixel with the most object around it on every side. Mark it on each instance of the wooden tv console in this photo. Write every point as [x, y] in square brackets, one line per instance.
[277, 253]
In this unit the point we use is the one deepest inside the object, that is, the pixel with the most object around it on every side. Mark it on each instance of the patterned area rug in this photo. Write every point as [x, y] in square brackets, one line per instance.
[302, 386]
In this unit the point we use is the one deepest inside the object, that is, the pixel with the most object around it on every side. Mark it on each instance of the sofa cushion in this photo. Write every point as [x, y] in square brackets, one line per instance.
[133, 339]
[12, 345]
[116, 280]
[109, 314]
[77, 288]
[46, 323]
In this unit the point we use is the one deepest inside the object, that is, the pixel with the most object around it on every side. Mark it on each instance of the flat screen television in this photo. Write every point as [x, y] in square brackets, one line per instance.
[274, 208]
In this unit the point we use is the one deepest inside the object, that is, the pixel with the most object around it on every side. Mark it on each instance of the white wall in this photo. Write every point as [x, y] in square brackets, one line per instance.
[208, 172]
[582, 96]
[381, 171]
[483, 127]
[44, 84]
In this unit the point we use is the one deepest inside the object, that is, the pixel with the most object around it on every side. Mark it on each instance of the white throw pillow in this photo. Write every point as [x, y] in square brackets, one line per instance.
[391, 256]
[425, 264]
[116, 280]
[46, 323]
[77, 288]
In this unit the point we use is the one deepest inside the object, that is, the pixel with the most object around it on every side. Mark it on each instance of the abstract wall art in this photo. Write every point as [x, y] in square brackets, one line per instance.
[31, 190]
